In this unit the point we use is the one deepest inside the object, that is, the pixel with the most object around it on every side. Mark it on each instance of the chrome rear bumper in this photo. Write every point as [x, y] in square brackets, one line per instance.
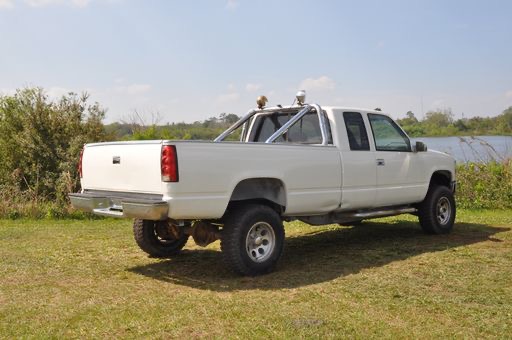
[148, 207]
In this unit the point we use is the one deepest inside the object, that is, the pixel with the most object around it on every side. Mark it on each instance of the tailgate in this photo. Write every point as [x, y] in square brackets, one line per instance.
[122, 166]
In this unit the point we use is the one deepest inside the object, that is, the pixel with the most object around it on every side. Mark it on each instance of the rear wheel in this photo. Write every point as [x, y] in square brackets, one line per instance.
[158, 238]
[437, 212]
[252, 239]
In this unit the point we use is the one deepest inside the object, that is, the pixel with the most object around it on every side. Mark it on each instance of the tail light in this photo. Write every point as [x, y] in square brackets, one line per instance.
[169, 164]
[80, 169]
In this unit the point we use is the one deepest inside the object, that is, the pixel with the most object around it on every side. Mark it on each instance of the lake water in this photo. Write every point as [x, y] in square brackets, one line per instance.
[471, 149]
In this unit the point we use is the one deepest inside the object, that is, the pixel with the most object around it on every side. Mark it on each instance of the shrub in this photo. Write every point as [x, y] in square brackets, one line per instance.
[485, 185]
[40, 143]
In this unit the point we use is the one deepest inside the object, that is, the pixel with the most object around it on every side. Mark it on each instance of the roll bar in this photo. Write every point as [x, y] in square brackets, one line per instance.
[305, 109]
[235, 126]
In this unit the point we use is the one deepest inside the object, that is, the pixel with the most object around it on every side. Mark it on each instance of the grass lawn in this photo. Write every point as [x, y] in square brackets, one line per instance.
[71, 278]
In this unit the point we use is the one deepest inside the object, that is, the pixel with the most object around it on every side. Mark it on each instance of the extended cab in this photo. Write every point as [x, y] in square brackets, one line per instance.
[317, 165]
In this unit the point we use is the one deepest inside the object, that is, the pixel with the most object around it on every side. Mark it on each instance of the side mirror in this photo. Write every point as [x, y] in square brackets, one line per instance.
[420, 147]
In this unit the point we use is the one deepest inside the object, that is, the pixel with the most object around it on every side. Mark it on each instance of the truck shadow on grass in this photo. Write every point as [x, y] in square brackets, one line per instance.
[318, 256]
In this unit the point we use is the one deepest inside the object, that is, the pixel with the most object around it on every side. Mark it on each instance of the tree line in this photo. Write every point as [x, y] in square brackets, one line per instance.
[41, 139]
[435, 123]
[199, 130]
[442, 123]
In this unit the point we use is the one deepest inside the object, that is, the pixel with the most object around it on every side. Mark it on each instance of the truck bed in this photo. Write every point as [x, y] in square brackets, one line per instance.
[209, 172]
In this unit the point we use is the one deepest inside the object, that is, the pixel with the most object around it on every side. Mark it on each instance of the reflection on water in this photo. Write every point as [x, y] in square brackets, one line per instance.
[471, 149]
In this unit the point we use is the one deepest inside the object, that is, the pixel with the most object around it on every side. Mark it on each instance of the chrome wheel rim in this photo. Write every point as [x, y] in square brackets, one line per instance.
[443, 210]
[260, 242]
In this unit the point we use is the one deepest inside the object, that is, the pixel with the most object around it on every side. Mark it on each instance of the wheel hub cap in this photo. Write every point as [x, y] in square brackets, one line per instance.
[260, 242]
[443, 210]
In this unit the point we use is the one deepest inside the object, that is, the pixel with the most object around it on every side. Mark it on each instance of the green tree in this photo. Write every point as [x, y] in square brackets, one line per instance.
[40, 141]
[439, 118]
[505, 121]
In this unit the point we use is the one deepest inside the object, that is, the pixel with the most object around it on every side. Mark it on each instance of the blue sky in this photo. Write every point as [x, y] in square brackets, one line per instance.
[190, 60]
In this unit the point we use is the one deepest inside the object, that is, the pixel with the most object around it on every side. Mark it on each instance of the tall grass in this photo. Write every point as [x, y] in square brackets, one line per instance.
[19, 203]
[485, 185]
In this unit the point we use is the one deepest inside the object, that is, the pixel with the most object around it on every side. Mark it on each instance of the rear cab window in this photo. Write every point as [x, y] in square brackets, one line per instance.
[304, 131]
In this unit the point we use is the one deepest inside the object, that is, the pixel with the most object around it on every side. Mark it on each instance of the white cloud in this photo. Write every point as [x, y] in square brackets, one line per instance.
[321, 83]
[55, 92]
[44, 3]
[228, 98]
[232, 4]
[252, 87]
[133, 89]
[508, 94]
[381, 44]
[80, 3]
[6, 4]
[438, 103]
[231, 96]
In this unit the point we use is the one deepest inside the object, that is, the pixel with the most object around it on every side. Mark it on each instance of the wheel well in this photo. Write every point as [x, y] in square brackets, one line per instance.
[441, 177]
[268, 191]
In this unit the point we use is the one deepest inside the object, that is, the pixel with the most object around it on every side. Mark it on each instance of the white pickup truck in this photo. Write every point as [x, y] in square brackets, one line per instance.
[302, 162]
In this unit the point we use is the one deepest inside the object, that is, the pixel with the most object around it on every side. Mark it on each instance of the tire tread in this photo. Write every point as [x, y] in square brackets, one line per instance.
[230, 245]
[426, 211]
[143, 234]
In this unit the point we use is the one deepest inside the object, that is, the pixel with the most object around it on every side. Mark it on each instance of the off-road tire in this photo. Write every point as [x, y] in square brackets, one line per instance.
[240, 248]
[430, 212]
[147, 238]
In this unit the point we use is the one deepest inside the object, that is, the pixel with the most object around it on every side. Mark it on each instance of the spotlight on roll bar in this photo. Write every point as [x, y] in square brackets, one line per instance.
[261, 101]
[301, 97]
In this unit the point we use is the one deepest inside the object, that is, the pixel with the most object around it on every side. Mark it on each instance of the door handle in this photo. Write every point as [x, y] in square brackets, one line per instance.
[380, 162]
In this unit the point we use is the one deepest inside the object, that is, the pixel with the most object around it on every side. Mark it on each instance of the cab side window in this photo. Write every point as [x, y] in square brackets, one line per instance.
[388, 136]
[356, 131]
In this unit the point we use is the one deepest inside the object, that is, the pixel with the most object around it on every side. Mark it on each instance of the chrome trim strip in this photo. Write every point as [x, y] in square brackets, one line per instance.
[122, 195]
[383, 213]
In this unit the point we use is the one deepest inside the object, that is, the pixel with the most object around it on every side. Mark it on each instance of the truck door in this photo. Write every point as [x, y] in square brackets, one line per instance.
[358, 164]
[399, 170]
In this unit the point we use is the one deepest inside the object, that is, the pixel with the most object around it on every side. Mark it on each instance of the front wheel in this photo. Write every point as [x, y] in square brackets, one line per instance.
[437, 211]
[252, 239]
[158, 238]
